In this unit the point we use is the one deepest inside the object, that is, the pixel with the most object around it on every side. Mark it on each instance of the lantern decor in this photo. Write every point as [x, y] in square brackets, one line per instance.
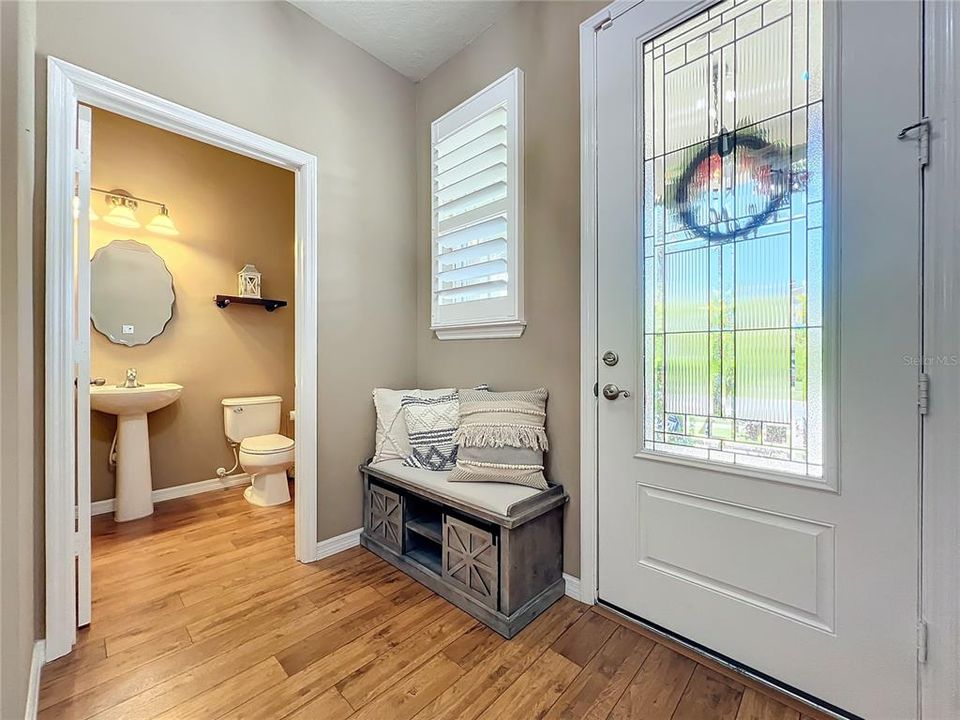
[249, 279]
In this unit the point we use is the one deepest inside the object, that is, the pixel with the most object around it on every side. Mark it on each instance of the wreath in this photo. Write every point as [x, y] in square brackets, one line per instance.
[774, 181]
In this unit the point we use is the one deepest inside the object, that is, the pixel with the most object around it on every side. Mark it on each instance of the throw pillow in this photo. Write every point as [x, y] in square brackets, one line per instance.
[392, 442]
[502, 437]
[431, 423]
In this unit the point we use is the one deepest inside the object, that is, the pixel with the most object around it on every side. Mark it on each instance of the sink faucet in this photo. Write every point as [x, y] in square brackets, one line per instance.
[131, 381]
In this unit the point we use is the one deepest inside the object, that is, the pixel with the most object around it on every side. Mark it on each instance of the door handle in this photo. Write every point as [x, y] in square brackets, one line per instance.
[612, 392]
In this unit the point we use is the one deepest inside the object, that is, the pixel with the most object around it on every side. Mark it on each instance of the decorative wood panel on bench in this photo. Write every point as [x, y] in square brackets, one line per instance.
[493, 550]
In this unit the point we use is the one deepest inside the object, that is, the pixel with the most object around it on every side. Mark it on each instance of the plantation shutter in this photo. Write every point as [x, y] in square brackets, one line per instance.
[476, 172]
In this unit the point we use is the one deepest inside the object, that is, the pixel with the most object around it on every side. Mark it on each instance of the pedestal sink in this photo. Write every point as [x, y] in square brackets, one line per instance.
[131, 405]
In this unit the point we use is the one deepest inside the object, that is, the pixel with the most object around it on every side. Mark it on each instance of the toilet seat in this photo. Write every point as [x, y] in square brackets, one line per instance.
[266, 444]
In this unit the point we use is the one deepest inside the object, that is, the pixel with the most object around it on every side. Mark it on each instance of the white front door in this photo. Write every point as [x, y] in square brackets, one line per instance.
[758, 236]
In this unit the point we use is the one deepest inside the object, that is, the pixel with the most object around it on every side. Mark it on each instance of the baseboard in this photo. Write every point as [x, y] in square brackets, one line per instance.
[572, 587]
[101, 507]
[337, 544]
[33, 689]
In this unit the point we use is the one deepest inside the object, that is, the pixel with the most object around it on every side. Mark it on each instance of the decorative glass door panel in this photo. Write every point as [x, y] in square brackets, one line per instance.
[732, 227]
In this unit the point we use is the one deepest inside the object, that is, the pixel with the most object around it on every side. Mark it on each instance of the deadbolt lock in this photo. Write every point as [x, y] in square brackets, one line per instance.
[610, 358]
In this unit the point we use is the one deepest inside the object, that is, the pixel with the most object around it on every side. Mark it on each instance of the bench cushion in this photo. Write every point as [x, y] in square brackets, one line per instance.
[494, 497]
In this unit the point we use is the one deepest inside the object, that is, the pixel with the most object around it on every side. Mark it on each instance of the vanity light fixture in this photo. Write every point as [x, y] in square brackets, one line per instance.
[122, 207]
[162, 224]
[123, 212]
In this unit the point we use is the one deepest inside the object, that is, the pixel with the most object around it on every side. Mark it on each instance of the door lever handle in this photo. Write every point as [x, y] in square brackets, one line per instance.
[612, 392]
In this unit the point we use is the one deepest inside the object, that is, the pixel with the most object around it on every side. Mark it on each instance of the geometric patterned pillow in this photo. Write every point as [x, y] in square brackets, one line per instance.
[431, 423]
[392, 442]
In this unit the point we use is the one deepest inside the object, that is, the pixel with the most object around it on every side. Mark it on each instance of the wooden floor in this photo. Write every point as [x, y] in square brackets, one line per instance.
[200, 611]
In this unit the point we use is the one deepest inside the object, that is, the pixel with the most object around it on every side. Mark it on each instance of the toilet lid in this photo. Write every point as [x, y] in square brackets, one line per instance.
[265, 444]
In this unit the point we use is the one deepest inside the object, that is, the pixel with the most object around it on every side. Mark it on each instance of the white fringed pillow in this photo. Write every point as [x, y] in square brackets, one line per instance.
[502, 437]
[392, 441]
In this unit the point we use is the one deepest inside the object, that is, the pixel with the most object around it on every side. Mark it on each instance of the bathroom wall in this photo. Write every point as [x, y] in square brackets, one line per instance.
[269, 68]
[542, 38]
[230, 210]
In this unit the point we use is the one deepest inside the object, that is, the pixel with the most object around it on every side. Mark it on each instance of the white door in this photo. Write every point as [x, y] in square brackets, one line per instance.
[758, 283]
[81, 270]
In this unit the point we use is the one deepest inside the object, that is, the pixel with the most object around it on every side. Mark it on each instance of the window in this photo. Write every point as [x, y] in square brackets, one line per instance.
[477, 214]
[733, 237]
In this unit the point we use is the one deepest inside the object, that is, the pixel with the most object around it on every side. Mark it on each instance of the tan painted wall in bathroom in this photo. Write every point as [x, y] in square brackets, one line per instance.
[230, 210]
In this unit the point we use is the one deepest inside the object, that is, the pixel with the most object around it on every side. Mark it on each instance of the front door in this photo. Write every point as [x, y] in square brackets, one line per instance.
[758, 295]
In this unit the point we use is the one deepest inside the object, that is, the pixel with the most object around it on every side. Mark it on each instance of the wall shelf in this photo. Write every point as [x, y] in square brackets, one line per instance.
[223, 301]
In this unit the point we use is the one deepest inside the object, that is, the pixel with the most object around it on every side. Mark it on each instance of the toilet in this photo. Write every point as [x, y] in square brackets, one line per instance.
[253, 423]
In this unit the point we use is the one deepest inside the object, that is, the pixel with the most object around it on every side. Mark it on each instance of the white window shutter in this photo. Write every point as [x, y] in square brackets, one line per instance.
[477, 214]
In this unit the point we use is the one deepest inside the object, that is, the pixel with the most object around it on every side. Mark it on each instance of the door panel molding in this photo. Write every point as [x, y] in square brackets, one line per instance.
[680, 539]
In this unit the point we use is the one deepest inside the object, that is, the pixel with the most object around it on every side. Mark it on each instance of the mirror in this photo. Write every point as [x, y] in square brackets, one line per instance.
[131, 292]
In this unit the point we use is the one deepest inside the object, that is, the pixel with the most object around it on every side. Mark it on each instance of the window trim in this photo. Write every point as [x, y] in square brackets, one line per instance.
[500, 324]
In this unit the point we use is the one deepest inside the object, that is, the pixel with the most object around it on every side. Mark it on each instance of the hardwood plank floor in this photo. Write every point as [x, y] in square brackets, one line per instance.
[200, 611]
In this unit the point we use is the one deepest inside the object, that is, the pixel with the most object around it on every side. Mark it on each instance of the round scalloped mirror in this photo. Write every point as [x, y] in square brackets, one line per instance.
[131, 292]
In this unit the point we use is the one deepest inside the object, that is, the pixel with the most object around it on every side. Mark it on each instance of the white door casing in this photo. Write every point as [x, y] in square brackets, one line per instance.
[811, 581]
[81, 265]
[67, 86]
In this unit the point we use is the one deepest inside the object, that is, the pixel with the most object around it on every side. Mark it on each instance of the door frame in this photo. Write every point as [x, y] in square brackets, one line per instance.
[589, 404]
[940, 501]
[67, 86]
[940, 495]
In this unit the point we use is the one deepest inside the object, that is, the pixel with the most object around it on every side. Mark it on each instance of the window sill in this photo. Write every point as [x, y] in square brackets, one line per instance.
[481, 331]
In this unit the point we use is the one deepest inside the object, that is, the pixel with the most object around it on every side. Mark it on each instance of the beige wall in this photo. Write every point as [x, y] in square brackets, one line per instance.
[230, 210]
[18, 494]
[270, 69]
[266, 67]
[542, 38]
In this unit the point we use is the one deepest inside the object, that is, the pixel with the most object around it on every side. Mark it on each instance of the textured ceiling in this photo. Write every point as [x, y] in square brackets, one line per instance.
[413, 37]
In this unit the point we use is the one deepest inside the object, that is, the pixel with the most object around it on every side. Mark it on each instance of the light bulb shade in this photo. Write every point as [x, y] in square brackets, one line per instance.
[162, 224]
[121, 216]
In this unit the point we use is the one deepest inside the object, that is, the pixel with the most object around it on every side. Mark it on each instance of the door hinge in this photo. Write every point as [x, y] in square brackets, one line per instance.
[923, 393]
[922, 641]
[604, 25]
[921, 129]
[80, 159]
[77, 542]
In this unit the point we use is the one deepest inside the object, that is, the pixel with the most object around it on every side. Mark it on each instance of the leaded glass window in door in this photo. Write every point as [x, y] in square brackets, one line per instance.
[732, 139]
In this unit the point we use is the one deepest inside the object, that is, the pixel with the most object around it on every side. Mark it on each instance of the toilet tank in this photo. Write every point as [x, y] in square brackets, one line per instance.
[245, 417]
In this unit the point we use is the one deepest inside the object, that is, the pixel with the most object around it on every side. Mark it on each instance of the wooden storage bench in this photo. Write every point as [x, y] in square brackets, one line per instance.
[492, 549]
